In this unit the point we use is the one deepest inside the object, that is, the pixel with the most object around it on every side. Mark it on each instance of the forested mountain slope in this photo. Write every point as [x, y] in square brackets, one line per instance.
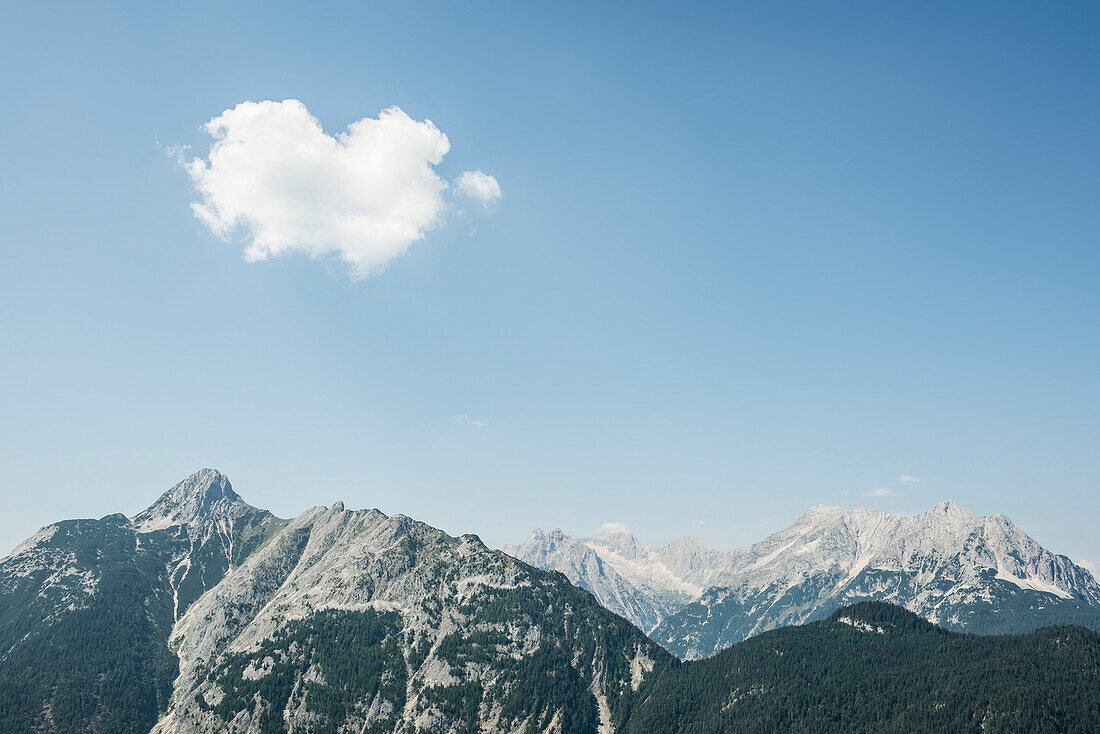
[875, 667]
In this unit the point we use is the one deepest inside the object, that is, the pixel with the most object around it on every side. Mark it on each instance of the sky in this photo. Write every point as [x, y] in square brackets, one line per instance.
[687, 268]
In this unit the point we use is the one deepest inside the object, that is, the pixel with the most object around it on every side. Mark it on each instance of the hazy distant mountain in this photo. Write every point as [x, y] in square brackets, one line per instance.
[584, 567]
[204, 614]
[645, 584]
[979, 574]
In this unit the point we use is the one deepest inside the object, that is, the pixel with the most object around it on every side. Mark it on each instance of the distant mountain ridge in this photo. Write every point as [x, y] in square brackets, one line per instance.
[645, 584]
[979, 574]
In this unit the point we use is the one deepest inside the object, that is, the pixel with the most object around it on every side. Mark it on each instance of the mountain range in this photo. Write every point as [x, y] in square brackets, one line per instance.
[964, 572]
[206, 614]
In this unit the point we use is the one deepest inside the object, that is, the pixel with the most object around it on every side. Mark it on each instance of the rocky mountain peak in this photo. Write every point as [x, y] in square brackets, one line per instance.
[952, 509]
[205, 495]
[819, 514]
[687, 543]
[622, 543]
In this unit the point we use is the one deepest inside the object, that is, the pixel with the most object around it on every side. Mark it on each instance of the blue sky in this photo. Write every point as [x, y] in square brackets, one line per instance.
[748, 259]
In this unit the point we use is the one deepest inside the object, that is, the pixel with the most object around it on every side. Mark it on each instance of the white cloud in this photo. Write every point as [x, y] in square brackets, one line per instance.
[908, 479]
[467, 420]
[882, 492]
[614, 527]
[364, 195]
[479, 185]
[1088, 566]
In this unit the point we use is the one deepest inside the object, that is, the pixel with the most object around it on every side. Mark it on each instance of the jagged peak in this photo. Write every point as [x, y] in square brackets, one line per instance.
[821, 509]
[202, 495]
[623, 543]
[539, 535]
[818, 512]
[472, 539]
[686, 542]
[951, 508]
[947, 508]
[825, 516]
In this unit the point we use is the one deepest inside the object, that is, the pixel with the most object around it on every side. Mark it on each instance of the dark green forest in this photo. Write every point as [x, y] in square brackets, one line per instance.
[104, 667]
[831, 676]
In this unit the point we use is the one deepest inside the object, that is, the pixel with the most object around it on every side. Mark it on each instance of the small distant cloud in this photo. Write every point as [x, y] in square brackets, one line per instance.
[468, 421]
[908, 479]
[883, 492]
[611, 528]
[845, 492]
[698, 522]
[178, 153]
[479, 186]
[1088, 566]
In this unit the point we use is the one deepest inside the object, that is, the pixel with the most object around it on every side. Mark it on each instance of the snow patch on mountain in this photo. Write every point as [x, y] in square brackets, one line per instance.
[1035, 584]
